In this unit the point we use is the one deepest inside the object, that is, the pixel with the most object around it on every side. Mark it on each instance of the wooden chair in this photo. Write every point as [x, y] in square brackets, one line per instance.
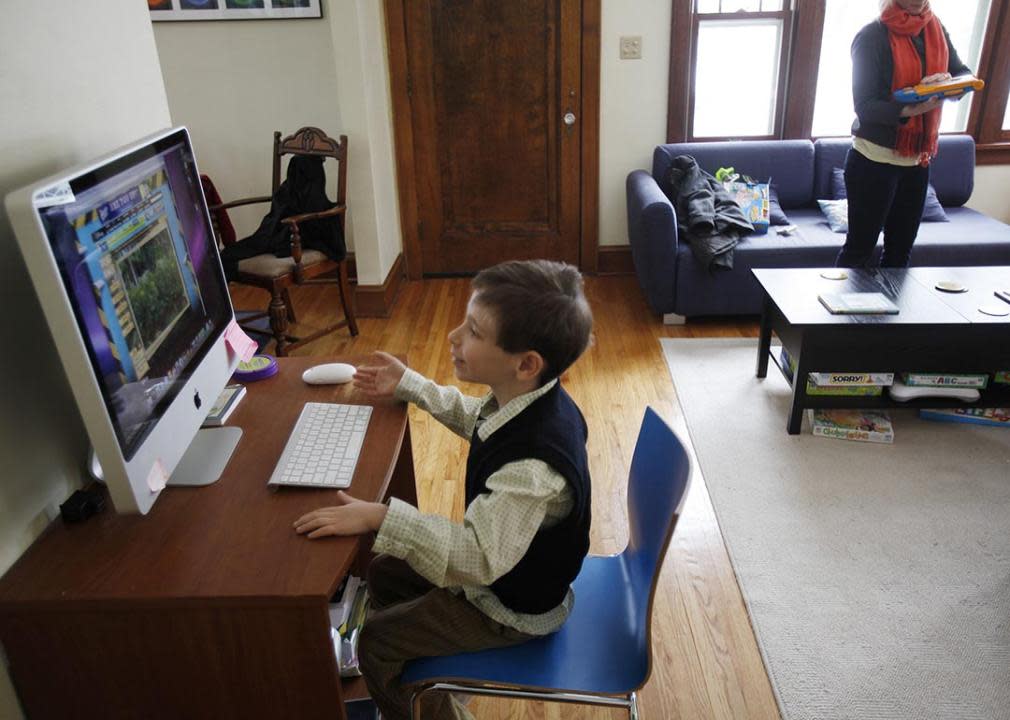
[305, 266]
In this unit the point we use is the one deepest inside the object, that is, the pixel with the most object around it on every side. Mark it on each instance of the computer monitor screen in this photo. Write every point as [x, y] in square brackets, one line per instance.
[137, 268]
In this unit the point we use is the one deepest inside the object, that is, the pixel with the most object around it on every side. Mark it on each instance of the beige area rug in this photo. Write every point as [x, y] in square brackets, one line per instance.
[877, 577]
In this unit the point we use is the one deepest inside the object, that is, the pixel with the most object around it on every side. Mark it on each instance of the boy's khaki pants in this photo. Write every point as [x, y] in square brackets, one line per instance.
[411, 618]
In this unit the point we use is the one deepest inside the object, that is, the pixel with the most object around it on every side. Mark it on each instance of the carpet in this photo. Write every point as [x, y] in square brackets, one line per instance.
[877, 577]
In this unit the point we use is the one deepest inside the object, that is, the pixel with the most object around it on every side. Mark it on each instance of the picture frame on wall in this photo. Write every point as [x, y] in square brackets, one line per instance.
[175, 10]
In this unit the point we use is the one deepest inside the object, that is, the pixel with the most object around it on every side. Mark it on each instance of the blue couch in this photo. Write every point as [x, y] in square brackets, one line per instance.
[678, 286]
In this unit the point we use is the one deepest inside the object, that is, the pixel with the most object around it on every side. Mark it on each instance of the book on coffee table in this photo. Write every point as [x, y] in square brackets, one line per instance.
[858, 303]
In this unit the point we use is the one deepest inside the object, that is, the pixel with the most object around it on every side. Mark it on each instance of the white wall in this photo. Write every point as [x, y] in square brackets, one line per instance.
[234, 83]
[69, 93]
[632, 103]
[992, 191]
[359, 42]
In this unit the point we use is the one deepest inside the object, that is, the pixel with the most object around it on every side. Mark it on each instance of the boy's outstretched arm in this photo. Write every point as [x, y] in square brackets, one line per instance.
[386, 377]
[351, 517]
[379, 378]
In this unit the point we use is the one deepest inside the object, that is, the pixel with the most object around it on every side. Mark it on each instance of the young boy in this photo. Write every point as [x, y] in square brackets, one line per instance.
[504, 575]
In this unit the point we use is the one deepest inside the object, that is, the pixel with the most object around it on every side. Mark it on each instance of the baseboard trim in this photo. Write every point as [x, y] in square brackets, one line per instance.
[614, 260]
[377, 301]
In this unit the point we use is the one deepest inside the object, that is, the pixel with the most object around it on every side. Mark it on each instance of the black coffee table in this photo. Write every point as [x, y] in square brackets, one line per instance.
[934, 331]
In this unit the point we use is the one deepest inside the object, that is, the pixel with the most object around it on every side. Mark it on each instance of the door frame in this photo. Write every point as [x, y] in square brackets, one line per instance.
[403, 136]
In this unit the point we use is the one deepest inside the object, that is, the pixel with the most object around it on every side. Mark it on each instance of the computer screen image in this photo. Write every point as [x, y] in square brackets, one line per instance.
[123, 259]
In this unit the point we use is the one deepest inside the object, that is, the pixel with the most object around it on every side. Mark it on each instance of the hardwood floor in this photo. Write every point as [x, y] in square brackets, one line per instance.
[706, 663]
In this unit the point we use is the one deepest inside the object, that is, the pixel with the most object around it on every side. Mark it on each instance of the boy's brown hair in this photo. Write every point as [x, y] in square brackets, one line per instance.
[537, 305]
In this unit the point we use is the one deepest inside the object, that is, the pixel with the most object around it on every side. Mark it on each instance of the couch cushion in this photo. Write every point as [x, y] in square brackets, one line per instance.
[775, 214]
[952, 172]
[970, 238]
[789, 164]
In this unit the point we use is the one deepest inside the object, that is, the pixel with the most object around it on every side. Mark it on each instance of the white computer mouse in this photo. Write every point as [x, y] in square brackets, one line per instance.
[329, 374]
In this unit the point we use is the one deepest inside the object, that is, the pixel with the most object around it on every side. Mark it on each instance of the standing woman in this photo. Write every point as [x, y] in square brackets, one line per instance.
[887, 169]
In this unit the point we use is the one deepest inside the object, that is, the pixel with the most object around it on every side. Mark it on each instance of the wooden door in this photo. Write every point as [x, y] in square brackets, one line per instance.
[496, 161]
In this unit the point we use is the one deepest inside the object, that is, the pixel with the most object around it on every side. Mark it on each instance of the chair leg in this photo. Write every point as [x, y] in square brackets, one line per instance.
[279, 321]
[633, 707]
[290, 306]
[415, 703]
[343, 286]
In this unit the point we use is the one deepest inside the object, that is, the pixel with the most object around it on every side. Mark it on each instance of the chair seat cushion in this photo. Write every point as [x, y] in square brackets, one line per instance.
[267, 265]
[603, 632]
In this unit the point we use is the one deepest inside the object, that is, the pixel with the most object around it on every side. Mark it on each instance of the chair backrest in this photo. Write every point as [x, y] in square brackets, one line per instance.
[224, 231]
[657, 486]
[312, 141]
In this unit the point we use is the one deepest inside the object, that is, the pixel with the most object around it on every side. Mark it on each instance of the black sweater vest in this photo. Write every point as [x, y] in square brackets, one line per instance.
[553, 430]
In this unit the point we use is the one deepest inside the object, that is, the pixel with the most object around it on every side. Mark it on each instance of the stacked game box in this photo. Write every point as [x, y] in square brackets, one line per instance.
[839, 384]
[861, 425]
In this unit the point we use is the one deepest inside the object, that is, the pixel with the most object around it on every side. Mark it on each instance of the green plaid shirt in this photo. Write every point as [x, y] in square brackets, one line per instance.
[498, 526]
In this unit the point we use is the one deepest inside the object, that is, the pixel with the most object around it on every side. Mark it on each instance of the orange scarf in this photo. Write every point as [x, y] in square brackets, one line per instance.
[919, 135]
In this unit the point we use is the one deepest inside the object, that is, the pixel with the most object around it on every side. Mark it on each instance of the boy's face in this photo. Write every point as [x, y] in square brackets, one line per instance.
[476, 355]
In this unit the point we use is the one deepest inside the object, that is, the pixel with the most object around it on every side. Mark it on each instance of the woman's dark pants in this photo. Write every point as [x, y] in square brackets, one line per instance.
[881, 196]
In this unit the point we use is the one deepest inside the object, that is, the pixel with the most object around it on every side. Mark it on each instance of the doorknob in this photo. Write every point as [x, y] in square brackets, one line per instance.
[569, 118]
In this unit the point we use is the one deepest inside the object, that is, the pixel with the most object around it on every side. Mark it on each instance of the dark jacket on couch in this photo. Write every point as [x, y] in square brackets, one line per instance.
[707, 215]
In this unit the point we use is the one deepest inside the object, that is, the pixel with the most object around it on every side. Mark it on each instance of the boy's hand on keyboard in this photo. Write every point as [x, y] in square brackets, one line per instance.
[351, 517]
[380, 377]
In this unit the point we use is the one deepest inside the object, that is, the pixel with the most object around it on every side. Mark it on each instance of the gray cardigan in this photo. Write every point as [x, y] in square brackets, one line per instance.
[878, 115]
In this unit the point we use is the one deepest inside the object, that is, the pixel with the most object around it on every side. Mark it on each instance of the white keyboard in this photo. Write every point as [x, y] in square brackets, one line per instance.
[324, 445]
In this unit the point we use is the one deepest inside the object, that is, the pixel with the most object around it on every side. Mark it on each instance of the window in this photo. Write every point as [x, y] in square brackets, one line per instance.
[726, 80]
[740, 47]
[833, 113]
[965, 21]
[781, 69]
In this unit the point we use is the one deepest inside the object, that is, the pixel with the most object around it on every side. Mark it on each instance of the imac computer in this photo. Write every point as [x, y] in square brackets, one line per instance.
[123, 259]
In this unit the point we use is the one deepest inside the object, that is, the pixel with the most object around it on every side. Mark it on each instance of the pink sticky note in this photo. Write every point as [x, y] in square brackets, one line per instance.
[157, 478]
[239, 343]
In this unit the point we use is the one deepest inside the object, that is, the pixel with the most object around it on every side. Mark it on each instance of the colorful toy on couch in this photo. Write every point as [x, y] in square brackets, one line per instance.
[752, 197]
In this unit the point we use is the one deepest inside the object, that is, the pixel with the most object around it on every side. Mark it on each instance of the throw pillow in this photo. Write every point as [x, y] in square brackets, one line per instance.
[775, 214]
[837, 213]
[838, 191]
[932, 210]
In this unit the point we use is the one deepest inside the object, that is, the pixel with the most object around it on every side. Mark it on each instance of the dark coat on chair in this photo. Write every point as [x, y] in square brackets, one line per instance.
[303, 191]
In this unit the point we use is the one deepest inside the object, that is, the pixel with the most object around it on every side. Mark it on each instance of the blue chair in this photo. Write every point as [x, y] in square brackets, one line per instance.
[602, 654]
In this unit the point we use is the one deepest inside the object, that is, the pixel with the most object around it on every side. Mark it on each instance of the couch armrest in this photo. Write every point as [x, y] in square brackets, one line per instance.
[652, 233]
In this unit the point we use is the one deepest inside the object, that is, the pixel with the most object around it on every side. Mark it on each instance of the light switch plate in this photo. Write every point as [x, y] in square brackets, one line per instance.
[631, 47]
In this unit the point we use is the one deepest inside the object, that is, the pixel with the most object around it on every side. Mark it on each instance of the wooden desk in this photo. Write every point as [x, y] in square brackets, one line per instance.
[210, 605]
